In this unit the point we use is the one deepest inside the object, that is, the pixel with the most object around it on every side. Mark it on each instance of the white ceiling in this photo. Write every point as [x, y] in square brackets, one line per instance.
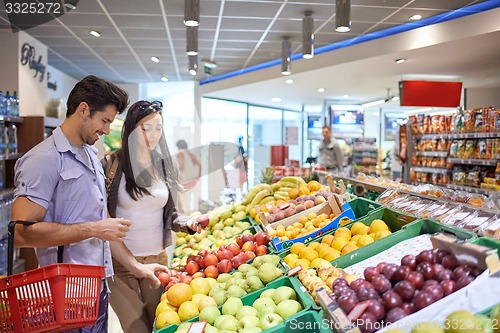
[237, 34]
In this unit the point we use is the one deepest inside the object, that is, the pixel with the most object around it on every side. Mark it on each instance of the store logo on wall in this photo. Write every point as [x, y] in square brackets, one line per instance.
[51, 85]
[28, 58]
[26, 14]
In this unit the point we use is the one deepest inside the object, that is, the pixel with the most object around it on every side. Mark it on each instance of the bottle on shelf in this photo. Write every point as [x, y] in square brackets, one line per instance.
[13, 139]
[15, 104]
[6, 141]
[2, 104]
[8, 103]
[2, 139]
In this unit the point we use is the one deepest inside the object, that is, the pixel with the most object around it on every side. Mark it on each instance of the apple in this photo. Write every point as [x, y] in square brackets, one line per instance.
[203, 221]
[261, 250]
[283, 293]
[262, 301]
[244, 268]
[247, 238]
[209, 313]
[192, 267]
[208, 329]
[270, 308]
[225, 254]
[288, 307]
[223, 277]
[235, 291]
[249, 246]
[262, 238]
[253, 283]
[164, 278]
[234, 248]
[186, 278]
[268, 293]
[232, 306]
[270, 320]
[224, 266]
[246, 311]
[211, 260]
[198, 275]
[226, 322]
[238, 260]
[219, 296]
[249, 322]
[211, 272]
[250, 255]
[250, 330]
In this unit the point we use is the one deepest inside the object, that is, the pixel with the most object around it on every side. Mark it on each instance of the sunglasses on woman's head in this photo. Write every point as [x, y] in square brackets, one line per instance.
[156, 106]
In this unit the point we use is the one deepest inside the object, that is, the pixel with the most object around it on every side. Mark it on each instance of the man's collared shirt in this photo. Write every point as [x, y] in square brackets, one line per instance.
[55, 177]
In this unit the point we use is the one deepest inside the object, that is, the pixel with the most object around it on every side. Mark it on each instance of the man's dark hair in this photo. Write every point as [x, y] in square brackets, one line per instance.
[181, 144]
[326, 126]
[98, 94]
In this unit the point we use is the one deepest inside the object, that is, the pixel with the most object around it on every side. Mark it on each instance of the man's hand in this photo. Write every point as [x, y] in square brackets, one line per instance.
[151, 271]
[112, 229]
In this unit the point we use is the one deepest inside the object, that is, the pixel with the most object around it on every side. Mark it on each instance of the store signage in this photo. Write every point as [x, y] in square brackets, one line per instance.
[51, 85]
[430, 93]
[28, 55]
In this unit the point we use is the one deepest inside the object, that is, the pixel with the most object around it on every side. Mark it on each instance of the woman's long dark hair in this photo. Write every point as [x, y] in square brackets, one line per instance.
[160, 157]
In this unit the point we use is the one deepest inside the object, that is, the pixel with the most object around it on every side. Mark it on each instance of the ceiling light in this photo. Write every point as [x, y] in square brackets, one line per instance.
[95, 33]
[289, 81]
[164, 78]
[155, 59]
[307, 35]
[377, 102]
[320, 90]
[345, 96]
[400, 61]
[342, 15]
[415, 17]
[395, 98]
[191, 13]
[286, 54]
[193, 64]
[70, 4]
[276, 99]
[192, 41]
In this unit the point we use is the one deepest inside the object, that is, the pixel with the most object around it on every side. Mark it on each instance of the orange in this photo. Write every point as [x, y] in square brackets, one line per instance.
[166, 318]
[296, 247]
[179, 293]
[327, 239]
[289, 257]
[332, 255]
[381, 234]
[348, 248]
[313, 245]
[364, 240]
[339, 242]
[343, 230]
[378, 225]
[303, 262]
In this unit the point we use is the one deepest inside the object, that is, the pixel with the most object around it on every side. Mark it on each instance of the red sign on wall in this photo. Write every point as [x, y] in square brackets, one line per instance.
[430, 93]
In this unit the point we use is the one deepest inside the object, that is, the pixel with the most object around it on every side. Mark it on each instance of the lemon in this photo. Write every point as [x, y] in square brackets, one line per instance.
[378, 225]
[364, 240]
[338, 243]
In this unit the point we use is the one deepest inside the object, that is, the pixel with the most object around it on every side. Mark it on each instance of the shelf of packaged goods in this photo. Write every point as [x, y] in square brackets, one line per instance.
[472, 161]
[432, 153]
[11, 119]
[470, 189]
[478, 135]
[431, 136]
[6, 193]
[52, 122]
[430, 170]
[9, 157]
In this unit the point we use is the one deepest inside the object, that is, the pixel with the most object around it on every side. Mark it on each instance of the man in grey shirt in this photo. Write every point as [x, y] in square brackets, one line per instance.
[330, 155]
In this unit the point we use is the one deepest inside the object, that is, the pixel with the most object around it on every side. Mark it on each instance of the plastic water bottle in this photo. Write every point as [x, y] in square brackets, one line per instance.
[6, 140]
[13, 139]
[2, 139]
[15, 104]
[8, 104]
[3, 105]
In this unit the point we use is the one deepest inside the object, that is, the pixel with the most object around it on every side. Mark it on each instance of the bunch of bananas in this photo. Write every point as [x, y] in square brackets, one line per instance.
[284, 185]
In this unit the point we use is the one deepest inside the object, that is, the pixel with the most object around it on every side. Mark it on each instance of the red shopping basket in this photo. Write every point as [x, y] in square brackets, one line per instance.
[54, 298]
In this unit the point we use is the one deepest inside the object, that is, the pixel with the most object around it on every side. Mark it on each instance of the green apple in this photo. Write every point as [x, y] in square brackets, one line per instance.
[230, 324]
[219, 297]
[283, 293]
[267, 293]
[268, 272]
[183, 327]
[262, 301]
[246, 311]
[238, 275]
[270, 308]
[218, 226]
[213, 219]
[252, 271]
[209, 314]
[244, 268]
[228, 222]
[223, 277]
[232, 306]
[253, 283]
[287, 308]
[242, 283]
[250, 330]
[270, 320]
[218, 323]
[210, 329]
[225, 214]
[485, 323]
[235, 291]
[460, 322]
[250, 321]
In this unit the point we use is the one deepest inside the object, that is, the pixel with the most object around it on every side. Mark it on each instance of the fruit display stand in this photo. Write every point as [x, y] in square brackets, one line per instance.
[301, 296]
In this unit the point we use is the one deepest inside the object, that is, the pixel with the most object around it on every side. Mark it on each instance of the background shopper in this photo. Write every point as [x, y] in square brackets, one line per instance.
[143, 190]
[60, 184]
[189, 175]
[330, 155]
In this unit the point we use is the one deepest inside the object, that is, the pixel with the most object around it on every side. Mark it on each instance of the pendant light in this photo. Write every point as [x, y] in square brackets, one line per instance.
[193, 64]
[191, 41]
[307, 35]
[286, 56]
[343, 15]
[191, 13]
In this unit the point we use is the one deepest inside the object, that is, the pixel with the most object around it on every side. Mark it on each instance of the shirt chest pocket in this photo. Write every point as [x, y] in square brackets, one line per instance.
[71, 184]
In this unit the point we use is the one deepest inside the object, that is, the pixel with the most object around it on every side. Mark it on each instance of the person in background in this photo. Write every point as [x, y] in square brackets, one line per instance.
[330, 155]
[143, 186]
[189, 174]
[60, 186]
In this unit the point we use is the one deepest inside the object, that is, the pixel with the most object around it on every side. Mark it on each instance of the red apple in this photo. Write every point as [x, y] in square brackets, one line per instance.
[261, 250]
[203, 221]
[238, 260]
[164, 278]
[170, 284]
[198, 275]
[234, 248]
[211, 272]
[211, 260]
[249, 246]
[186, 279]
[262, 238]
[201, 261]
[192, 267]
[247, 238]
[192, 258]
[224, 266]
[249, 255]
[239, 240]
[225, 254]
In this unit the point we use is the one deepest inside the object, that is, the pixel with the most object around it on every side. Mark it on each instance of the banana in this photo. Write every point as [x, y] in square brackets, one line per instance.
[253, 192]
[276, 186]
[292, 179]
[278, 196]
[268, 199]
[284, 183]
[282, 193]
[285, 189]
[261, 195]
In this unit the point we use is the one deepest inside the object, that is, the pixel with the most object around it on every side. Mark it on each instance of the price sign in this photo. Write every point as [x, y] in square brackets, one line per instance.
[295, 270]
[197, 327]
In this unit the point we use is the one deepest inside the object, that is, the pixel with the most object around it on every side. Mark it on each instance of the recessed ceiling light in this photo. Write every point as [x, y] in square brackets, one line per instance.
[320, 90]
[155, 59]
[345, 96]
[415, 17]
[95, 33]
[289, 81]
[276, 99]
[164, 78]
[70, 6]
[400, 61]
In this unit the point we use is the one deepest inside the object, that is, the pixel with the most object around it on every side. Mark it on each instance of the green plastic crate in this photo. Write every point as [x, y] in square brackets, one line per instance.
[308, 322]
[488, 242]
[362, 207]
[302, 297]
[413, 229]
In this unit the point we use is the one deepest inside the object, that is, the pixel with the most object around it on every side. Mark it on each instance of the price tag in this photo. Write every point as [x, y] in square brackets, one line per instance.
[477, 221]
[269, 228]
[197, 327]
[175, 264]
[358, 310]
[295, 270]
[494, 226]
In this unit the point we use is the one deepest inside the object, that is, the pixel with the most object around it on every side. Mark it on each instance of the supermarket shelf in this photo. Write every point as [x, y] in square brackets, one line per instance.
[11, 119]
[470, 189]
[432, 153]
[431, 170]
[472, 161]
[6, 193]
[477, 135]
[10, 157]
[431, 136]
[52, 122]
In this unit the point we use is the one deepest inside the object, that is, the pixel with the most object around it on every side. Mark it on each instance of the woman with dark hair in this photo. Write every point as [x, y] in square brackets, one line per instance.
[142, 186]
